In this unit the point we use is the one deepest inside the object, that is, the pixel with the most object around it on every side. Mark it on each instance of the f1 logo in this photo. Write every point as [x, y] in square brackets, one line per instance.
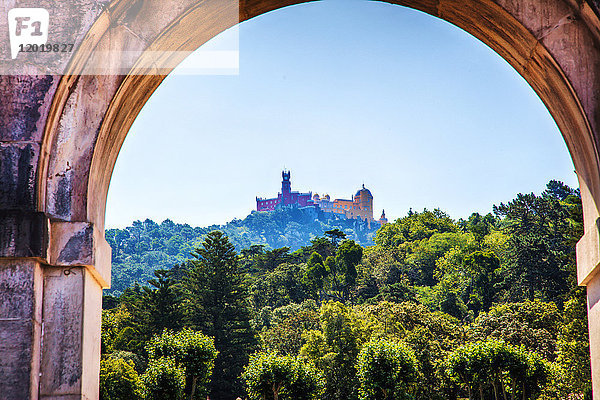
[28, 26]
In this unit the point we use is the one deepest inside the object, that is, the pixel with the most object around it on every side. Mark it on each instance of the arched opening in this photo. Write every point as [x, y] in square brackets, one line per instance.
[90, 115]
[200, 133]
[393, 56]
[498, 29]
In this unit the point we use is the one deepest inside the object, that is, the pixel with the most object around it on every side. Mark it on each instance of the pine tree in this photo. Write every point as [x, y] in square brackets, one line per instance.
[216, 302]
[153, 309]
[542, 233]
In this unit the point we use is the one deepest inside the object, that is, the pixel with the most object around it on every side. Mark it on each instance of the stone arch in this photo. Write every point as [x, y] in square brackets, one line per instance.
[61, 136]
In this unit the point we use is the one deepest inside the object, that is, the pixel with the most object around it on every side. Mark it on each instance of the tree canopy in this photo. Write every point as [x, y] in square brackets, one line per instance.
[485, 307]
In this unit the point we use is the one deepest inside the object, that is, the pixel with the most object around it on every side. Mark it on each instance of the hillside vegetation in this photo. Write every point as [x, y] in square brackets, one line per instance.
[483, 308]
[143, 247]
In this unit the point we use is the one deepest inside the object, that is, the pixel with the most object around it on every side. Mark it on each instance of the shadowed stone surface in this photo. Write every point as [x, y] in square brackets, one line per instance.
[17, 297]
[23, 234]
[18, 162]
[80, 244]
[79, 248]
[15, 358]
[20, 329]
[19, 120]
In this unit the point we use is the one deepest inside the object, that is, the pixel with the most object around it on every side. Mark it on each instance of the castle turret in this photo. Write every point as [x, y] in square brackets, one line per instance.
[364, 200]
[286, 188]
[383, 219]
[286, 185]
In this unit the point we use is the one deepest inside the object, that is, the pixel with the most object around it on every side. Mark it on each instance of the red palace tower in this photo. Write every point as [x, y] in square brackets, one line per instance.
[286, 197]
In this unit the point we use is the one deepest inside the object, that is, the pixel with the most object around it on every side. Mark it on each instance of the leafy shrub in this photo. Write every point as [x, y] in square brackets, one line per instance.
[497, 367]
[119, 381]
[138, 362]
[387, 370]
[164, 380]
[194, 352]
[273, 377]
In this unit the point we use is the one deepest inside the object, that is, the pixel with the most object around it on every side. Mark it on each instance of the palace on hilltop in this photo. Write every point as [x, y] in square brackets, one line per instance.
[359, 207]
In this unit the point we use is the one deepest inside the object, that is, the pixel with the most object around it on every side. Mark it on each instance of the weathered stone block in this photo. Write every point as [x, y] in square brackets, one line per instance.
[71, 243]
[92, 324]
[23, 234]
[71, 341]
[102, 270]
[18, 163]
[588, 254]
[20, 328]
[25, 104]
[62, 339]
[20, 290]
[16, 337]
[66, 397]
[80, 244]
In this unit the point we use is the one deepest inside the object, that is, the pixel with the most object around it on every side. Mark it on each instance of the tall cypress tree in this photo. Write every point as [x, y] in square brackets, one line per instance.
[216, 302]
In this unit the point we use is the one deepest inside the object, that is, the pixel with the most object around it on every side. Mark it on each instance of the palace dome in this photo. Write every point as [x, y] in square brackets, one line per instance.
[363, 190]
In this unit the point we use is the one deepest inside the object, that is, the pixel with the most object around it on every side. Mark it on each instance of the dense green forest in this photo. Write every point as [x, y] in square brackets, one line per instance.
[483, 308]
[143, 247]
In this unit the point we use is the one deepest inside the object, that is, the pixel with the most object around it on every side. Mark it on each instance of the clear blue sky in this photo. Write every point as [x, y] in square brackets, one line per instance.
[340, 93]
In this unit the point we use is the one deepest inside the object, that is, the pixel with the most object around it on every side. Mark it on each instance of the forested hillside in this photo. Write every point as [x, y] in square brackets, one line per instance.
[484, 308]
[143, 247]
